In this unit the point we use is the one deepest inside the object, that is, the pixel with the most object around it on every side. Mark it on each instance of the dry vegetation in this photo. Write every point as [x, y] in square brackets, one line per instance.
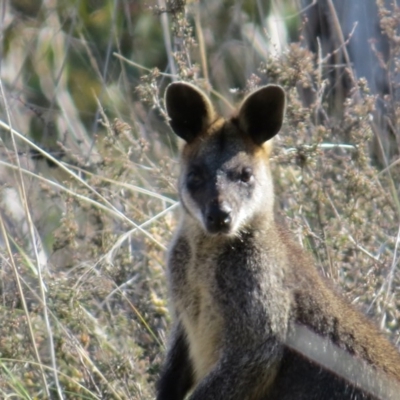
[87, 175]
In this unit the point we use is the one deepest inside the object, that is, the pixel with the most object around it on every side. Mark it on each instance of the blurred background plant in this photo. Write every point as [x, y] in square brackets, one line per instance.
[88, 168]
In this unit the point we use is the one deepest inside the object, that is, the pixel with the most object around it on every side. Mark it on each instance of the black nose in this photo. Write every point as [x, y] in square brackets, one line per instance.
[218, 218]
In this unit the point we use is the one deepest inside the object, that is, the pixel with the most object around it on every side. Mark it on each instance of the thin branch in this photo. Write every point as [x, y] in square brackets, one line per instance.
[28, 216]
[81, 181]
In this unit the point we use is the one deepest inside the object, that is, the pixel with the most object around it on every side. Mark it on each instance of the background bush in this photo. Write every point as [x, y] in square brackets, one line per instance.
[88, 168]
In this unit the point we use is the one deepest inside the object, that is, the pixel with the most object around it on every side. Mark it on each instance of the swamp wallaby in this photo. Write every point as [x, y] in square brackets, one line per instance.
[253, 319]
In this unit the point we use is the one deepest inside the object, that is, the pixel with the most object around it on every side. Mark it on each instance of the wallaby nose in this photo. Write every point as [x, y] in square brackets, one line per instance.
[219, 217]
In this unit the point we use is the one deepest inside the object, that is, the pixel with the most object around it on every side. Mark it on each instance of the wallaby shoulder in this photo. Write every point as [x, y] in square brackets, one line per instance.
[319, 307]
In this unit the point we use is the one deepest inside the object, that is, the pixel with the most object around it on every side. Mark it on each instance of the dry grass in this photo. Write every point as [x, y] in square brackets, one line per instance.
[87, 177]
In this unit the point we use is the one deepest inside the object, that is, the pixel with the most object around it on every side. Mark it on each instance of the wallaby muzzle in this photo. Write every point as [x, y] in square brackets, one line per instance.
[218, 217]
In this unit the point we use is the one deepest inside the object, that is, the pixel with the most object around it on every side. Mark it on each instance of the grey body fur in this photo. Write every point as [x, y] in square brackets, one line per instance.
[241, 290]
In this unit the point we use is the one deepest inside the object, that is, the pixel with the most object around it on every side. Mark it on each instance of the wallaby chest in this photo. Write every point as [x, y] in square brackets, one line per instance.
[192, 276]
[212, 282]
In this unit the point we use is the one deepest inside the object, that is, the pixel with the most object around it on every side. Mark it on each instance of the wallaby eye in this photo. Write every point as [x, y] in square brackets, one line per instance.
[195, 177]
[246, 175]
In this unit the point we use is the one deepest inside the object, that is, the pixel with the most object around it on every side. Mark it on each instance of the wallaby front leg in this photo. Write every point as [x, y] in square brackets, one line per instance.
[242, 375]
[177, 376]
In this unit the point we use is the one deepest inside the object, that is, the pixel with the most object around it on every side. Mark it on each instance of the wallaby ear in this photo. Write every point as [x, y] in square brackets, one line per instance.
[189, 109]
[261, 113]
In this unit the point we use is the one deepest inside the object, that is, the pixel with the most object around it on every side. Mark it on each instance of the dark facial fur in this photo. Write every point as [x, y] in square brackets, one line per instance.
[225, 183]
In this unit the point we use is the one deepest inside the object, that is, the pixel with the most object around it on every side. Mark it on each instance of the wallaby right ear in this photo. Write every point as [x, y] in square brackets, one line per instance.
[189, 109]
[261, 113]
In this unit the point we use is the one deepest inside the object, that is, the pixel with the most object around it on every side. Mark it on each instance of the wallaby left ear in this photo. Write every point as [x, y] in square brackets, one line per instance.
[261, 113]
[189, 110]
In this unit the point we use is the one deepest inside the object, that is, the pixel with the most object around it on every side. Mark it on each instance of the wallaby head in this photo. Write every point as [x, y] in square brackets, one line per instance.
[225, 182]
